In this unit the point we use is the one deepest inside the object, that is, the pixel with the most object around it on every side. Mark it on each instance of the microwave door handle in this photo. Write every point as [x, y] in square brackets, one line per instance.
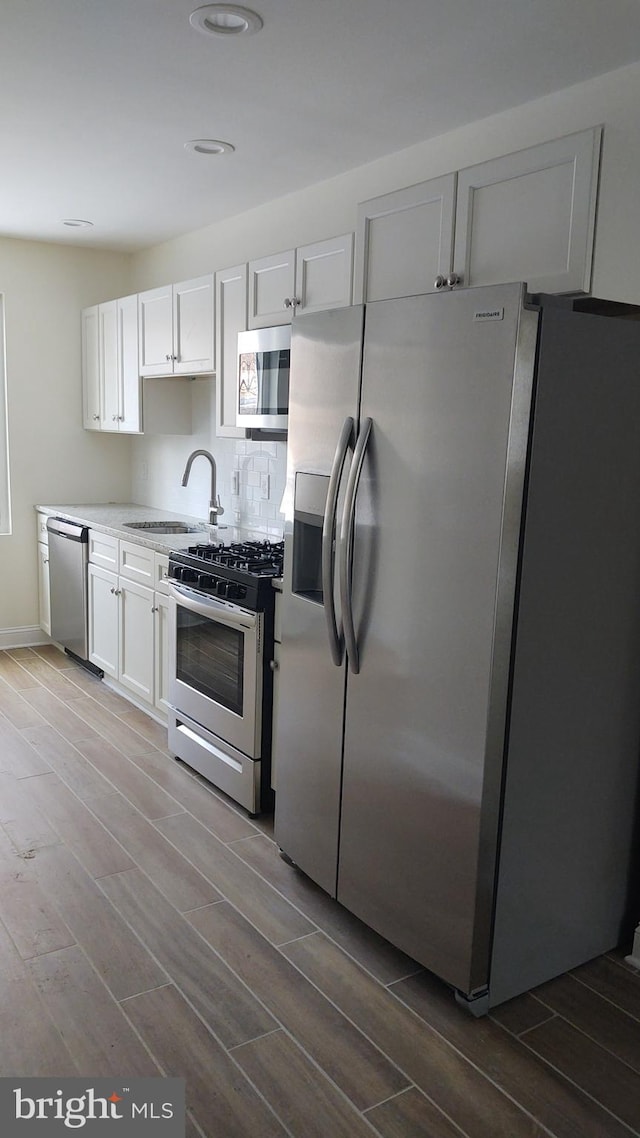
[213, 609]
[336, 638]
[346, 541]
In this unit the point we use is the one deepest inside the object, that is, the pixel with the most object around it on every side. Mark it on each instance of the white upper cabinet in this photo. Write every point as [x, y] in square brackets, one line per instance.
[404, 240]
[193, 306]
[530, 216]
[271, 282]
[324, 274]
[90, 369]
[176, 328]
[307, 279]
[111, 385]
[119, 379]
[231, 318]
[155, 325]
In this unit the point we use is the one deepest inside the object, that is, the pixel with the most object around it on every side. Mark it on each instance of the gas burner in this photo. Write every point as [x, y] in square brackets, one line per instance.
[259, 558]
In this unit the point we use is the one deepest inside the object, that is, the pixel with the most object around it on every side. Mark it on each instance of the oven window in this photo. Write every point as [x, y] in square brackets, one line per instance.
[210, 659]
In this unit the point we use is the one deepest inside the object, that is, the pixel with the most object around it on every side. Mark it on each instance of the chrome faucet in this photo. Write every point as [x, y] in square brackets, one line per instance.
[215, 508]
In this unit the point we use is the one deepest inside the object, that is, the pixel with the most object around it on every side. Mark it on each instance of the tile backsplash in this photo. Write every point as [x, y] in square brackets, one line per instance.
[258, 479]
[251, 476]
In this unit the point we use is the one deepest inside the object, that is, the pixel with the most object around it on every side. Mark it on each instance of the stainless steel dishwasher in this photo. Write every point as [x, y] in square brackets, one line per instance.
[68, 557]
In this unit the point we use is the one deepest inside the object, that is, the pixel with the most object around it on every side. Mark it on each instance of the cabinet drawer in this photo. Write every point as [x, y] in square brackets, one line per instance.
[43, 533]
[161, 569]
[137, 563]
[103, 550]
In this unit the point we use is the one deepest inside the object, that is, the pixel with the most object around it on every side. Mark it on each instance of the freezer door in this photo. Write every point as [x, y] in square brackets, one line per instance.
[326, 352]
[447, 383]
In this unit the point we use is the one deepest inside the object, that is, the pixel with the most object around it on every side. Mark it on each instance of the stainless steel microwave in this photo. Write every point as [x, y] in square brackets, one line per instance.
[262, 398]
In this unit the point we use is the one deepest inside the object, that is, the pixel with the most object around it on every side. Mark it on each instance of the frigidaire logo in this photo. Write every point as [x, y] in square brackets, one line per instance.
[138, 1107]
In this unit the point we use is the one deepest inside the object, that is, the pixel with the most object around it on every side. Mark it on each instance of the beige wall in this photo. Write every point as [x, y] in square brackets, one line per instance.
[52, 458]
[329, 208]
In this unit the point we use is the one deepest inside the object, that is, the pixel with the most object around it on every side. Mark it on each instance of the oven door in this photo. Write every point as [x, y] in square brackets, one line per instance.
[215, 667]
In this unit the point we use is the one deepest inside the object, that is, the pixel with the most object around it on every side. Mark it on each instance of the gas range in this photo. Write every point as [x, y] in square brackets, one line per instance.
[240, 571]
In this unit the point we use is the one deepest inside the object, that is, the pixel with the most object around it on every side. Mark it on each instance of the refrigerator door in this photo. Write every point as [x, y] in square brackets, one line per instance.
[326, 350]
[447, 382]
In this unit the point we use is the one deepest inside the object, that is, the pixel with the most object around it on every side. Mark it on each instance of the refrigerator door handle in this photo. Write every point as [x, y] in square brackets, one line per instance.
[336, 638]
[346, 538]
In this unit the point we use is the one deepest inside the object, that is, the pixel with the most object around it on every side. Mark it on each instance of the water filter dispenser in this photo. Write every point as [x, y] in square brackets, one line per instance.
[310, 497]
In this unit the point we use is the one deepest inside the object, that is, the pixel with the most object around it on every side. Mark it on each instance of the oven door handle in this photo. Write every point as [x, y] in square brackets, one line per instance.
[213, 609]
[329, 537]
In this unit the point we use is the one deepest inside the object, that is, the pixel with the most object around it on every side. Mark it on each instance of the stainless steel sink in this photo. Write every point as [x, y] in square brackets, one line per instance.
[162, 527]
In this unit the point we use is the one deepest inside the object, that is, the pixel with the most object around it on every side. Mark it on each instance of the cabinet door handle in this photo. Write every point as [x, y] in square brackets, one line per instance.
[155, 608]
[168, 358]
[95, 417]
[46, 560]
[291, 302]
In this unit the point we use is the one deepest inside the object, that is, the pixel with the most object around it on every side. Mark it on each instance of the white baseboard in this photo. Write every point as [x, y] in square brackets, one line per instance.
[23, 637]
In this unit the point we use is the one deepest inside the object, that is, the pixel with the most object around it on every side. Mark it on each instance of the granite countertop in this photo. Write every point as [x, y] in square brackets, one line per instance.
[110, 518]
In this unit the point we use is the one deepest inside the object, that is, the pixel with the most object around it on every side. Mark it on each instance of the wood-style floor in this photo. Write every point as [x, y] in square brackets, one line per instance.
[149, 928]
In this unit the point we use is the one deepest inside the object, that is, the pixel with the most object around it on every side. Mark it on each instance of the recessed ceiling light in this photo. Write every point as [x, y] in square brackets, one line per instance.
[208, 146]
[225, 20]
[77, 223]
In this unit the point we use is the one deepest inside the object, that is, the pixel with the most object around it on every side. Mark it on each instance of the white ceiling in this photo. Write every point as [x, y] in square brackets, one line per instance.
[98, 98]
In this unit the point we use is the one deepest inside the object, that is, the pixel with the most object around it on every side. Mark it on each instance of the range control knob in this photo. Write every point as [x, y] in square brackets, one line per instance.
[232, 590]
[222, 588]
[205, 581]
[242, 591]
[188, 574]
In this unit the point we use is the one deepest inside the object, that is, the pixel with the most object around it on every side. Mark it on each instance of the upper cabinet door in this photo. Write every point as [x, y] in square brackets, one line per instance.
[530, 216]
[404, 240]
[155, 320]
[193, 326]
[271, 283]
[129, 394]
[90, 369]
[324, 274]
[108, 357]
[231, 318]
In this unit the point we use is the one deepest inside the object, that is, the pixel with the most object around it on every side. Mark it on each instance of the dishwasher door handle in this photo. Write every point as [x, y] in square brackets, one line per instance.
[73, 531]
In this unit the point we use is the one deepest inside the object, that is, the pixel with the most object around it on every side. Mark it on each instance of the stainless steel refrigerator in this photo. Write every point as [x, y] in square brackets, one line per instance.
[459, 712]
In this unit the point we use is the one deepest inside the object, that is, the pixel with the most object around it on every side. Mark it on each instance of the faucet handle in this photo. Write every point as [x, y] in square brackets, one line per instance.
[215, 511]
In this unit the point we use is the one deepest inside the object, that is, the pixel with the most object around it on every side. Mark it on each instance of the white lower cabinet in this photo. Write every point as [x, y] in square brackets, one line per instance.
[136, 639]
[44, 601]
[161, 663]
[129, 625]
[103, 619]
